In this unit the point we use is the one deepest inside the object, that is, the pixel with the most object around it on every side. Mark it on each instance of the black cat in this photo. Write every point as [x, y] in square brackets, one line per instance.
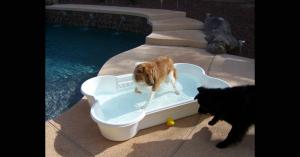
[234, 105]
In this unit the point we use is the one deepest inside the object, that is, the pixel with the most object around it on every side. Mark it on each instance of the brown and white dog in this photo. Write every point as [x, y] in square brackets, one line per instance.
[153, 73]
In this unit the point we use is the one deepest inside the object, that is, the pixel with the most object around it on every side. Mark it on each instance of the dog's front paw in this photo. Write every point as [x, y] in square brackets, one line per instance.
[137, 91]
[139, 106]
[143, 107]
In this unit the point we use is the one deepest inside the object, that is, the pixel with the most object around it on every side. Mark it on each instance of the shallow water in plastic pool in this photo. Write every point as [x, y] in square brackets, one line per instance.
[125, 107]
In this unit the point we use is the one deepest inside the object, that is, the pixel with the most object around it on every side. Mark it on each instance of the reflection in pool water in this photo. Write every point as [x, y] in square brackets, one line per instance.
[74, 54]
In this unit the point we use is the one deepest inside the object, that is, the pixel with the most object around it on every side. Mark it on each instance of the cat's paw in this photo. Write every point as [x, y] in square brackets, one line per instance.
[222, 145]
[212, 122]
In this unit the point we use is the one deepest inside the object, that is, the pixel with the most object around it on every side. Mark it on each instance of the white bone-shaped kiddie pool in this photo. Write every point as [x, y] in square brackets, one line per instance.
[114, 103]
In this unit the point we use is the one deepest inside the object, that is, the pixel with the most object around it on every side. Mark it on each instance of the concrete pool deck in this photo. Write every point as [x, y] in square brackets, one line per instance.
[74, 133]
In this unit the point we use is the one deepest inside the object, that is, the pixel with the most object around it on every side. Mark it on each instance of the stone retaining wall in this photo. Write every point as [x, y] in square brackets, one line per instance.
[99, 20]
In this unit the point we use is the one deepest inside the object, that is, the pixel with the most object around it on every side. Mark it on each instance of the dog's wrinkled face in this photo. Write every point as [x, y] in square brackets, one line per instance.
[204, 100]
[145, 72]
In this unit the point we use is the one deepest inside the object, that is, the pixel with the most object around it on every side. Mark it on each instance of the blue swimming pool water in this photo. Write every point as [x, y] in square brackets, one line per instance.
[74, 54]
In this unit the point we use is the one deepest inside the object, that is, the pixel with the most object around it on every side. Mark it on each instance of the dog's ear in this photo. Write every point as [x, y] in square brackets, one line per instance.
[140, 68]
[152, 77]
[151, 80]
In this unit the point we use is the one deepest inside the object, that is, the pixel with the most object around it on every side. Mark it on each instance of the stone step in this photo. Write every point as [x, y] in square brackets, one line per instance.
[190, 38]
[167, 15]
[124, 63]
[176, 24]
[151, 14]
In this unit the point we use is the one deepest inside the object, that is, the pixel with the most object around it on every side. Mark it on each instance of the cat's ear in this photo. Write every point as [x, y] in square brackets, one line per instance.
[208, 15]
[202, 88]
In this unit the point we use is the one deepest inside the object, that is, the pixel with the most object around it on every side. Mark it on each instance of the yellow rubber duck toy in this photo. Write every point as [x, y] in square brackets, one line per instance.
[170, 122]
